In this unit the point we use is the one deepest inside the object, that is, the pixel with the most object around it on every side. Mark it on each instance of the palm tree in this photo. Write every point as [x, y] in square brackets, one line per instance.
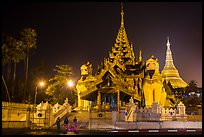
[12, 51]
[17, 54]
[29, 41]
[6, 55]
[6, 59]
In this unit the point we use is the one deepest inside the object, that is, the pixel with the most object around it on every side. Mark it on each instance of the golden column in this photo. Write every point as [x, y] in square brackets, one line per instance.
[118, 97]
[79, 99]
[99, 99]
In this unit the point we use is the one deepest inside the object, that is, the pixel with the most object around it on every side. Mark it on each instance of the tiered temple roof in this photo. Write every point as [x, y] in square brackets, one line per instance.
[122, 51]
[120, 73]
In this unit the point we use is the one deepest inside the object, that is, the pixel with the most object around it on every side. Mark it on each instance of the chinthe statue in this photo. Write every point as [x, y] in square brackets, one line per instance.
[153, 88]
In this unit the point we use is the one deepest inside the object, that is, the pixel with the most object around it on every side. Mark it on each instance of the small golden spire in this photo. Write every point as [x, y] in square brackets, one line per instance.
[122, 14]
[140, 55]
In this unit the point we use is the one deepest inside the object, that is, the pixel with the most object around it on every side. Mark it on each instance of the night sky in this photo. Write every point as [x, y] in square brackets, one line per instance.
[74, 33]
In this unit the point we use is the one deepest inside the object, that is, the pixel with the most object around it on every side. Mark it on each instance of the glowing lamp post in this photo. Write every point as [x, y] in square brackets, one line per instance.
[70, 83]
[40, 84]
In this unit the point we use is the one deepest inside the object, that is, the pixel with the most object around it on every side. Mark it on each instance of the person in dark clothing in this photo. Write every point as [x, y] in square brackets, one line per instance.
[75, 122]
[75, 125]
[66, 121]
[58, 124]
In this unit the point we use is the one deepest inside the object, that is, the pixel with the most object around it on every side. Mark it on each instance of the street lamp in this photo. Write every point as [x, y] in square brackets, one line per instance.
[41, 84]
[70, 83]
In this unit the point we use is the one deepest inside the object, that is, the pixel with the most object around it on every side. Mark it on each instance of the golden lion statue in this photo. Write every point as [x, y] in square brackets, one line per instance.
[153, 88]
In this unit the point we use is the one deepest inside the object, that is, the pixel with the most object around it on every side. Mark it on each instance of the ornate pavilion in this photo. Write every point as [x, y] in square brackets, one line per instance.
[118, 78]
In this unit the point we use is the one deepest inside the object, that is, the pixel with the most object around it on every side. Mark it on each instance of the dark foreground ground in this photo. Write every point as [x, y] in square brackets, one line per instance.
[102, 132]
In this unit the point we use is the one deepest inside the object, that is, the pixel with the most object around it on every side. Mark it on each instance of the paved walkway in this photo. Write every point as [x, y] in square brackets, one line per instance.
[103, 132]
[106, 127]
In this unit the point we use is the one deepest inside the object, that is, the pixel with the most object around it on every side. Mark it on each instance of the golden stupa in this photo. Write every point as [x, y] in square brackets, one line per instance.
[170, 73]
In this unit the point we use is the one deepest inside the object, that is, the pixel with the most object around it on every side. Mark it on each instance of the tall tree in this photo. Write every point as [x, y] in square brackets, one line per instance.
[5, 61]
[29, 41]
[58, 84]
[12, 50]
[6, 44]
[17, 55]
[6, 58]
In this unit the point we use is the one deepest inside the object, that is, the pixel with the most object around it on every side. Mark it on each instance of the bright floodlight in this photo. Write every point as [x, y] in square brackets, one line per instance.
[42, 83]
[70, 83]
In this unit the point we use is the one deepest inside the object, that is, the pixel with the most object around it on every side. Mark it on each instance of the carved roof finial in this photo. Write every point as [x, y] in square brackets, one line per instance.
[122, 14]
[140, 55]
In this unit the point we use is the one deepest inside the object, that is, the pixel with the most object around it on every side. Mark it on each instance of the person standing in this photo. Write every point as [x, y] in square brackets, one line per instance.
[75, 122]
[66, 121]
[58, 124]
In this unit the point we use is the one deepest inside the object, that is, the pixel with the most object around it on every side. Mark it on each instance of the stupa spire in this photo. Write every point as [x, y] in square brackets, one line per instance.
[170, 72]
[169, 59]
[168, 43]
